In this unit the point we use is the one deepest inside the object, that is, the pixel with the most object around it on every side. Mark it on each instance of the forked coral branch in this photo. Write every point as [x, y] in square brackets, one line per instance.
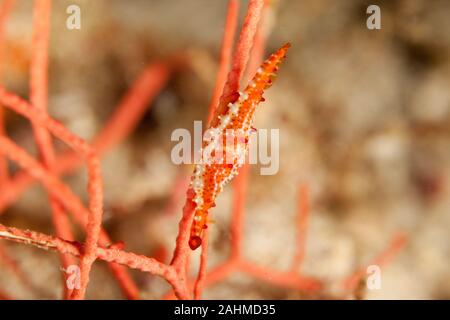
[94, 216]
[397, 242]
[39, 99]
[234, 110]
[132, 107]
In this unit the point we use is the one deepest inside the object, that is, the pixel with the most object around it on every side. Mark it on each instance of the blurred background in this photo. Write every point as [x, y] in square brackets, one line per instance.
[364, 119]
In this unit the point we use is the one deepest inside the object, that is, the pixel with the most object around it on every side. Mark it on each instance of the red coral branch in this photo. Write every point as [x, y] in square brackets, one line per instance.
[240, 183]
[302, 226]
[240, 58]
[76, 249]
[134, 103]
[201, 276]
[238, 210]
[97, 244]
[71, 202]
[112, 255]
[288, 280]
[5, 10]
[225, 56]
[254, 46]
[238, 263]
[39, 99]
[59, 190]
[182, 250]
[225, 60]
[398, 241]
[94, 186]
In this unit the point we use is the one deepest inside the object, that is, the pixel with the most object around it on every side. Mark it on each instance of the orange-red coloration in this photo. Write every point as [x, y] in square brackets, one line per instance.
[210, 178]
[123, 121]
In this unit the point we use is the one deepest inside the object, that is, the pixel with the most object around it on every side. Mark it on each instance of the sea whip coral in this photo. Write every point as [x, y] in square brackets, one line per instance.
[98, 245]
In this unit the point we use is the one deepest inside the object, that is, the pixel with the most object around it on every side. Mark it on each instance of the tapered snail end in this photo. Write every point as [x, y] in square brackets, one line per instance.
[195, 242]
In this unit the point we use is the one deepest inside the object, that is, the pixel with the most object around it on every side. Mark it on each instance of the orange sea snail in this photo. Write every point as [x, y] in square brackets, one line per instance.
[209, 179]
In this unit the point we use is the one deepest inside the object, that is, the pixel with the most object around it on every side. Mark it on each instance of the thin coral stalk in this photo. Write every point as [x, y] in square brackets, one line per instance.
[302, 226]
[134, 103]
[93, 228]
[240, 183]
[224, 65]
[39, 99]
[240, 62]
[133, 106]
[225, 56]
[112, 255]
[398, 241]
[240, 57]
[237, 263]
[240, 187]
[282, 279]
[94, 185]
[182, 250]
[76, 249]
[70, 201]
[220, 272]
[201, 276]
[211, 176]
[39, 76]
[260, 39]
[5, 10]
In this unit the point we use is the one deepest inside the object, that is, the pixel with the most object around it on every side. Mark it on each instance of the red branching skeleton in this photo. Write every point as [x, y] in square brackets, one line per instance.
[50, 166]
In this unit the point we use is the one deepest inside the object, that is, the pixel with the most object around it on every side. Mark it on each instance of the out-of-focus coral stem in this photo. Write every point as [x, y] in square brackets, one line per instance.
[398, 241]
[302, 226]
[283, 279]
[5, 10]
[240, 185]
[182, 250]
[39, 99]
[240, 57]
[224, 65]
[239, 63]
[225, 56]
[39, 77]
[95, 189]
[201, 276]
[114, 255]
[133, 106]
[71, 202]
[134, 103]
